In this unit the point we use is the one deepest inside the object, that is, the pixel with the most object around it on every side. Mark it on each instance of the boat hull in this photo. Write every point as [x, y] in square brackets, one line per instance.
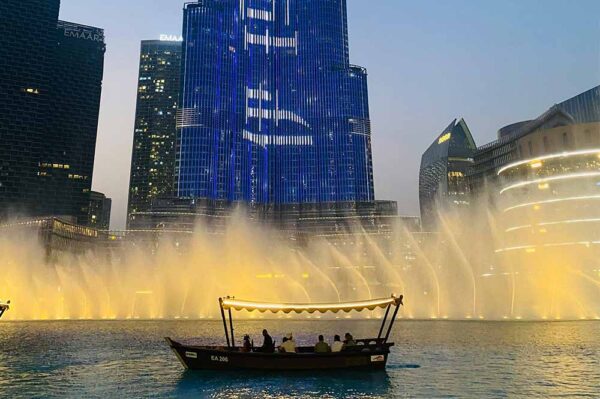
[3, 308]
[216, 358]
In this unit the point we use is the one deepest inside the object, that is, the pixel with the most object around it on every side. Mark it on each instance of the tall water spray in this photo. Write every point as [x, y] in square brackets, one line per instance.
[454, 274]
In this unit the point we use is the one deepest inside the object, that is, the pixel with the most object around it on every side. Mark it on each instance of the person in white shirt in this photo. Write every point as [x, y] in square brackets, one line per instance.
[337, 344]
[288, 346]
[290, 338]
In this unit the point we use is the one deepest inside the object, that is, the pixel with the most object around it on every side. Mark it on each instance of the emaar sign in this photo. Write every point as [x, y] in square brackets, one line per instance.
[171, 38]
[96, 35]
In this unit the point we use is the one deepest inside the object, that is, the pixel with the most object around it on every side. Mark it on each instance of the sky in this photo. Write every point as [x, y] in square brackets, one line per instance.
[490, 62]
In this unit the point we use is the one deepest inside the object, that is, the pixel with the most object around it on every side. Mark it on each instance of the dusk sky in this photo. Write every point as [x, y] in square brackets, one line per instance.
[490, 62]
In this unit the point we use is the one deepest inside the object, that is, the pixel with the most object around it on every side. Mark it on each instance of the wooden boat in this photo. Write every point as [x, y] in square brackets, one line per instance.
[369, 353]
[4, 307]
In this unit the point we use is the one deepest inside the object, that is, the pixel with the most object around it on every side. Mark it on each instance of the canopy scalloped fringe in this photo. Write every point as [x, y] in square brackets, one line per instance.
[231, 303]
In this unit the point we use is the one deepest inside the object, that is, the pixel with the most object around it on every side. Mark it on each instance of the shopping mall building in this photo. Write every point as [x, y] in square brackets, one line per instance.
[542, 178]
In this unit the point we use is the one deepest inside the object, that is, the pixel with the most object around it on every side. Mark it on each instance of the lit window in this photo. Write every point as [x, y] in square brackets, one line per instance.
[445, 137]
[536, 164]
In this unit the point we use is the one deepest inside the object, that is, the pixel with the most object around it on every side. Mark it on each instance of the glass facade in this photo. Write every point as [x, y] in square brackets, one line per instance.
[443, 181]
[66, 165]
[99, 211]
[153, 158]
[50, 79]
[27, 27]
[271, 109]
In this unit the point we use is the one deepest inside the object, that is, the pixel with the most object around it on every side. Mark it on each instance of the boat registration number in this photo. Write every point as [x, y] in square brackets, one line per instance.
[377, 358]
[222, 359]
[191, 355]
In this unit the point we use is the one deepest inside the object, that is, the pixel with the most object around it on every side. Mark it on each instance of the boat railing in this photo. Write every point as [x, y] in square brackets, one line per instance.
[362, 345]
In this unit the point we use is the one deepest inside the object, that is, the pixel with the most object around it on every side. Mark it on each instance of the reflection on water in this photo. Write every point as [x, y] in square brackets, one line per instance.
[130, 359]
[296, 384]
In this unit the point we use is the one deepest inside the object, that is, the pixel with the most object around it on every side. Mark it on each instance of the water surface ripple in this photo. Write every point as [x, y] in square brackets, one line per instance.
[110, 359]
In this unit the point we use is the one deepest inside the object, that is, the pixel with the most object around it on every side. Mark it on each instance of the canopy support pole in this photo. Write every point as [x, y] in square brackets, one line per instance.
[231, 327]
[387, 311]
[224, 322]
[387, 334]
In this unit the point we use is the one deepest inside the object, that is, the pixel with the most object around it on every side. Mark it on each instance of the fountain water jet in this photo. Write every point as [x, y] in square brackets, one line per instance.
[451, 274]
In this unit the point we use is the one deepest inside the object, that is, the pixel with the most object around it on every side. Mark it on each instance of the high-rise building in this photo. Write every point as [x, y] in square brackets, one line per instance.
[443, 185]
[99, 211]
[67, 160]
[51, 80]
[153, 158]
[272, 111]
[27, 48]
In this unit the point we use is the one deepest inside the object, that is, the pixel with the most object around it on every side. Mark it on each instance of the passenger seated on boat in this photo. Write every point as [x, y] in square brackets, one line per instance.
[322, 346]
[290, 337]
[288, 346]
[337, 344]
[349, 341]
[247, 345]
[268, 346]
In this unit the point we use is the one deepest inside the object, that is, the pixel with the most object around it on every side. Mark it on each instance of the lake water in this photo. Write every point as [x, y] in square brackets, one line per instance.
[109, 359]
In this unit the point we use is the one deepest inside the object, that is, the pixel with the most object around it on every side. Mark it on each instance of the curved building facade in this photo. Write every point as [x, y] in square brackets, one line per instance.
[549, 196]
[547, 225]
[547, 245]
[553, 200]
[513, 142]
[271, 109]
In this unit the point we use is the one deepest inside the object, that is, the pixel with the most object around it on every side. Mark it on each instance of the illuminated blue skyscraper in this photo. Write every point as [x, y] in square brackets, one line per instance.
[271, 110]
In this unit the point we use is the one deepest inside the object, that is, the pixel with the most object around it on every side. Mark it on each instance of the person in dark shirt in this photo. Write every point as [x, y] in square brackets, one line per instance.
[349, 342]
[247, 346]
[267, 345]
[322, 346]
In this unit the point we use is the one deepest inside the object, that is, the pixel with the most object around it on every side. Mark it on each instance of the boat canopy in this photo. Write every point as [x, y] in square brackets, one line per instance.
[232, 303]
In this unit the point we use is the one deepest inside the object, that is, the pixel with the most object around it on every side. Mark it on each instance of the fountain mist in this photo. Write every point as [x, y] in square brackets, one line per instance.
[453, 274]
